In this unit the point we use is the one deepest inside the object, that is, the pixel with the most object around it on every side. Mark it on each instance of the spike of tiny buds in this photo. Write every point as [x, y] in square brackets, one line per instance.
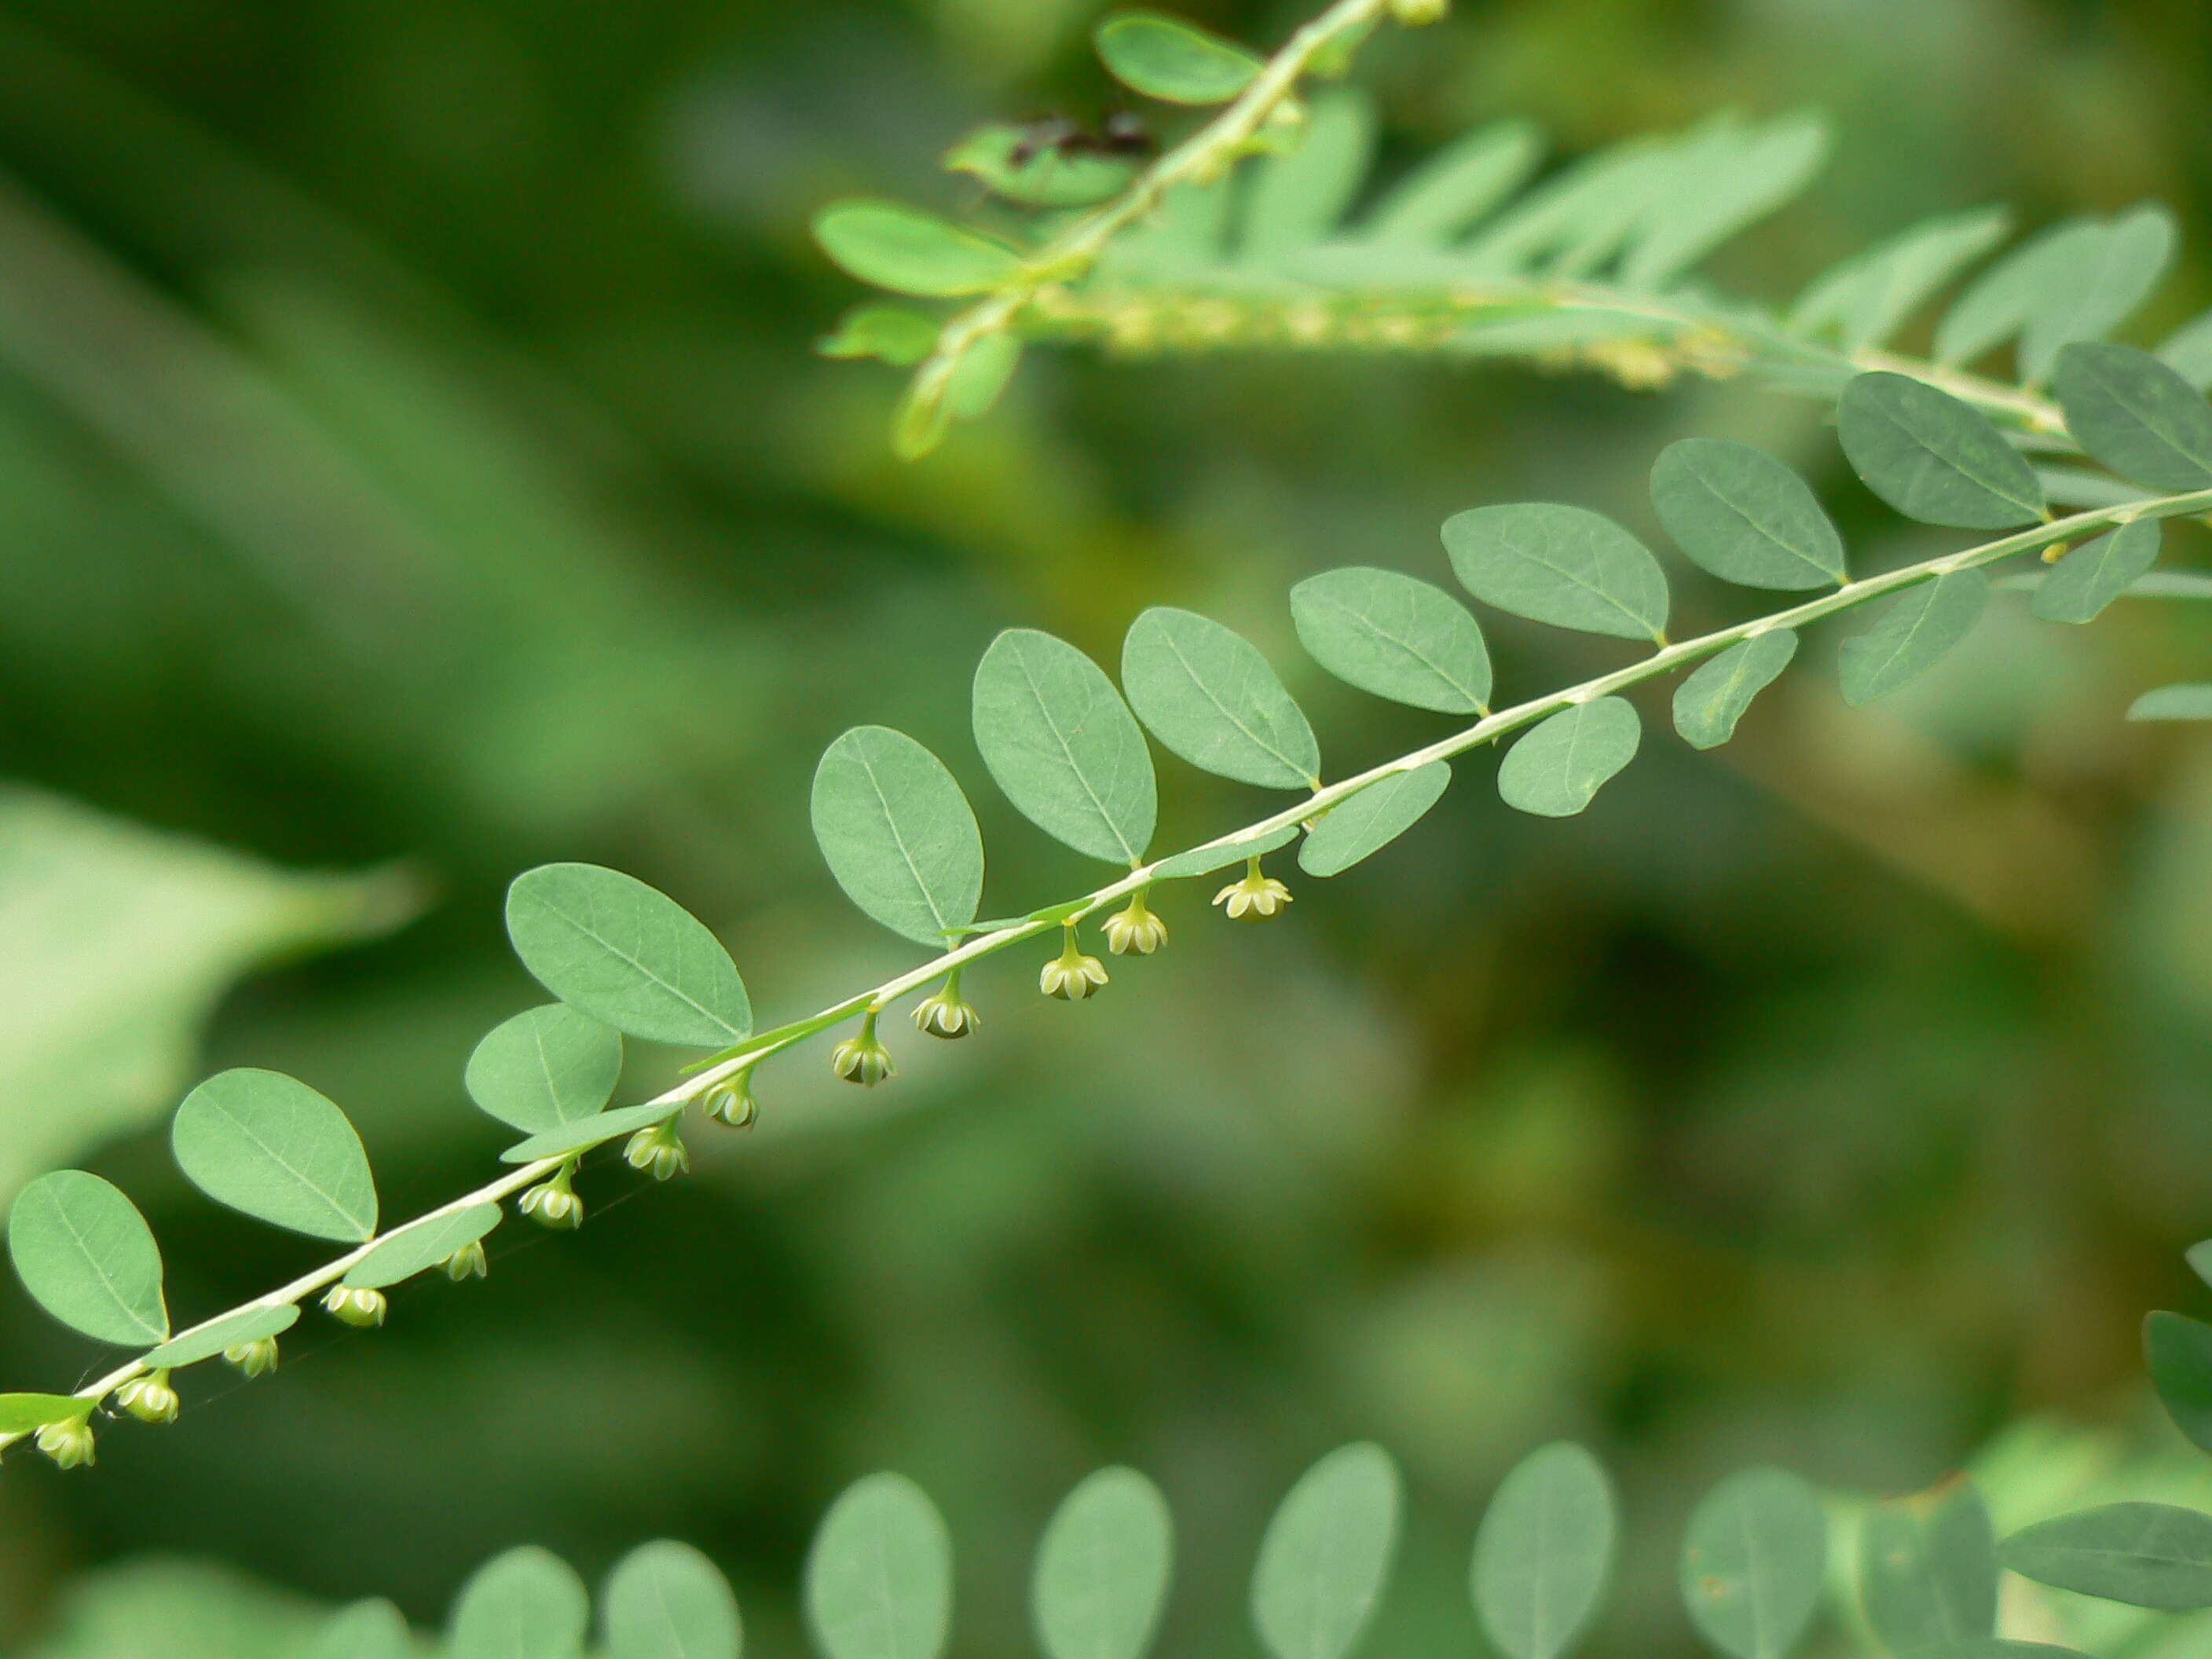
[255, 1358]
[467, 1262]
[863, 1058]
[1135, 929]
[1255, 898]
[149, 1398]
[943, 1014]
[554, 1203]
[69, 1444]
[1071, 976]
[730, 1102]
[658, 1150]
[361, 1308]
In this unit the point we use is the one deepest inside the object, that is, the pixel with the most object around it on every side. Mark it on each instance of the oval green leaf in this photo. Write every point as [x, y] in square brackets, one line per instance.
[1446, 194]
[2174, 702]
[666, 1601]
[1205, 860]
[1742, 515]
[1001, 155]
[1371, 820]
[1543, 1553]
[2090, 577]
[1752, 1561]
[27, 1414]
[1912, 636]
[1928, 1568]
[1563, 565]
[2148, 1555]
[269, 1145]
[1394, 635]
[232, 1330]
[879, 1575]
[909, 252]
[628, 954]
[1933, 458]
[88, 1257]
[594, 1131]
[890, 334]
[2135, 415]
[1165, 58]
[1103, 1568]
[2180, 1353]
[1210, 697]
[526, 1604]
[545, 1068]
[1064, 747]
[1327, 1554]
[898, 834]
[1708, 704]
[366, 1629]
[422, 1245]
[1557, 769]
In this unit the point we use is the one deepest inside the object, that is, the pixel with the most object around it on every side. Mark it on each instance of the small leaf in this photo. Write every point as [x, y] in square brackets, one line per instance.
[366, 1629]
[1210, 697]
[594, 1131]
[898, 834]
[1295, 199]
[910, 251]
[545, 1068]
[1327, 1555]
[2199, 1257]
[2180, 1352]
[665, 1601]
[1998, 1647]
[1205, 860]
[1563, 565]
[422, 1245]
[1933, 458]
[1752, 1561]
[879, 1575]
[1103, 1568]
[1866, 298]
[628, 954]
[1543, 1553]
[981, 375]
[1064, 747]
[1173, 61]
[1928, 1568]
[272, 1147]
[1708, 703]
[1557, 769]
[2188, 351]
[1395, 636]
[892, 334]
[1744, 516]
[2174, 702]
[2072, 282]
[2093, 575]
[1723, 181]
[232, 1330]
[2148, 1555]
[1369, 821]
[86, 1257]
[27, 1414]
[1446, 194]
[1912, 636]
[526, 1604]
[2135, 415]
[1002, 155]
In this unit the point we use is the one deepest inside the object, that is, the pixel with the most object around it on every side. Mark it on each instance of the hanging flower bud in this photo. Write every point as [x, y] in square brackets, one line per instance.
[360, 1308]
[68, 1443]
[467, 1262]
[944, 1014]
[732, 1101]
[554, 1203]
[149, 1398]
[657, 1150]
[1135, 929]
[1255, 898]
[255, 1358]
[862, 1059]
[1071, 976]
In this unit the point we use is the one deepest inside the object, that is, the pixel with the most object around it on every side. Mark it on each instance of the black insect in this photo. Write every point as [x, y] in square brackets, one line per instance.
[1121, 135]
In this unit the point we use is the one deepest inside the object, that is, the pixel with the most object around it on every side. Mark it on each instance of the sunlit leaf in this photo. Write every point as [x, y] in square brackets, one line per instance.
[2091, 576]
[2148, 1555]
[1102, 1569]
[1913, 635]
[269, 1145]
[879, 1575]
[1064, 747]
[1205, 860]
[1866, 298]
[1752, 1563]
[526, 1604]
[1395, 636]
[1448, 193]
[1928, 1568]
[1005, 157]
[898, 834]
[88, 1257]
[627, 955]
[588, 1133]
[909, 252]
[1371, 820]
[367, 1630]
[1558, 767]
[1166, 58]
[2135, 415]
[545, 1068]
[891, 334]
[2174, 702]
[1210, 697]
[232, 1330]
[1933, 458]
[2180, 1353]
[25, 1413]
[1297, 197]
[666, 1601]
[1710, 702]
[1327, 1555]
[422, 1245]
[1743, 515]
[1726, 180]
[1543, 1553]
[1563, 565]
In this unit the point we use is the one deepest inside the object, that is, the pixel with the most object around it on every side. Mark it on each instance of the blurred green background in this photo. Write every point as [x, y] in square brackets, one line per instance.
[413, 463]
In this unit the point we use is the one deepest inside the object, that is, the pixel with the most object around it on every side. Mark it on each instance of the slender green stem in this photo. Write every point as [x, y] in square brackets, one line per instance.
[1068, 913]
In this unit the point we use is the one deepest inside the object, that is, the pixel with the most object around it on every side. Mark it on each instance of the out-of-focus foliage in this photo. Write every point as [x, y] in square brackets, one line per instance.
[412, 448]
